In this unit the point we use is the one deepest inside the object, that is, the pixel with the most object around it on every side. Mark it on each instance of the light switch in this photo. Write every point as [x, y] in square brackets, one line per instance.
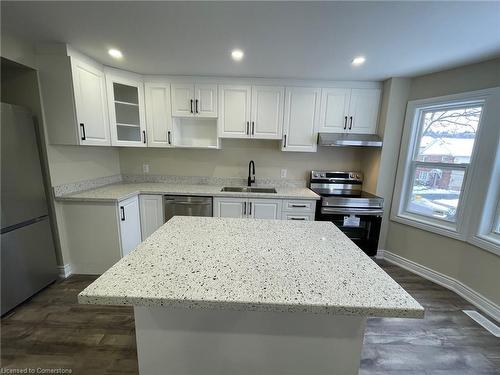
[283, 173]
[145, 168]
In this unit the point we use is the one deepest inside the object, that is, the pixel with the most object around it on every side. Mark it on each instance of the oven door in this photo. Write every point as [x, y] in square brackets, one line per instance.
[362, 226]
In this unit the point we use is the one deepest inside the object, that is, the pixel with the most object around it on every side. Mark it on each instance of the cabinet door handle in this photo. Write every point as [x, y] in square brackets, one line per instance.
[350, 123]
[299, 205]
[284, 141]
[345, 122]
[253, 128]
[297, 218]
[122, 215]
[144, 136]
[191, 106]
[82, 126]
[196, 106]
[248, 127]
[244, 208]
[168, 138]
[250, 210]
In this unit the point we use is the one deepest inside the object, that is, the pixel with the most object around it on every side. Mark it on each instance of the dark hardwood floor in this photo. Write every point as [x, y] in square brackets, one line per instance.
[52, 331]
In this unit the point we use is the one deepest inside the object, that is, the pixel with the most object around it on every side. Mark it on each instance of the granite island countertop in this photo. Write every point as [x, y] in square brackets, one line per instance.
[121, 191]
[252, 265]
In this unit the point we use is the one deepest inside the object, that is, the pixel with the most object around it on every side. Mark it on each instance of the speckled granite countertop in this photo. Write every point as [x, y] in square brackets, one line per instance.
[120, 191]
[252, 265]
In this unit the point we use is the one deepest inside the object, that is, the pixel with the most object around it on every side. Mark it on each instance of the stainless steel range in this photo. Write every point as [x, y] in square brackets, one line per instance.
[357, 213]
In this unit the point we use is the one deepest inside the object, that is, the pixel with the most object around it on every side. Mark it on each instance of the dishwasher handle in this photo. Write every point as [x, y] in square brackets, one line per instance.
[188, 203]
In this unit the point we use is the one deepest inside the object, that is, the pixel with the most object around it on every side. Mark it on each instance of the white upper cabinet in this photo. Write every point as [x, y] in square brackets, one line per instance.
[302, 105]
[158, 115]
[205, 100]
[267, 112]
[234, 117]
[90, 102]
[334, 110]
[194, 100]
[363, 110]
[182, 100]
[73, 90]
[126, 109]
[349, 110]
[251, 111]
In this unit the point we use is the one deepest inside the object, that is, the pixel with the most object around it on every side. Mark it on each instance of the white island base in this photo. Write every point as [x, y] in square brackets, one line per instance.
[219, 342]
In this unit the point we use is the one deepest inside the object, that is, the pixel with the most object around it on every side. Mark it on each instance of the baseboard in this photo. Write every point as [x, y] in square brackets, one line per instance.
[380, 254]
[64, 271]
[477, 299]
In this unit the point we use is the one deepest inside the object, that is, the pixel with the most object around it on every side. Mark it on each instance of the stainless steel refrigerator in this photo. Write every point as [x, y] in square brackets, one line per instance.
[28, 261]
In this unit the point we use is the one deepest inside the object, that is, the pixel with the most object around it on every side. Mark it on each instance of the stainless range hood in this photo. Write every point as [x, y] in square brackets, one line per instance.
[346, 139]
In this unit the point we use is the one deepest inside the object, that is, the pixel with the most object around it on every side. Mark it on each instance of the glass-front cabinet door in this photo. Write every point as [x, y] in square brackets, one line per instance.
[126, 109]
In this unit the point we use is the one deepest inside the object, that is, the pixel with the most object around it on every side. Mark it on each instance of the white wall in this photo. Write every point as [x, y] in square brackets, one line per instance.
[471, 265]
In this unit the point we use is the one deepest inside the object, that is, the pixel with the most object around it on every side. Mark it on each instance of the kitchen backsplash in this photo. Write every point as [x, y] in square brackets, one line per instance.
[187, 180]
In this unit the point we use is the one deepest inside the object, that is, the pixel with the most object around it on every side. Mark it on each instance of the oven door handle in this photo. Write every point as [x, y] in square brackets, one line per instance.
[351, 211]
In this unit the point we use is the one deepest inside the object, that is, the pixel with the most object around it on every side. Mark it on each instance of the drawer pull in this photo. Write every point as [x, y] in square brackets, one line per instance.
[297, 218]
[299, 205]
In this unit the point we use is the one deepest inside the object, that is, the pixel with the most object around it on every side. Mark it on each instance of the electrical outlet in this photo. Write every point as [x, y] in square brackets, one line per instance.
[283, 173]
[145, 168]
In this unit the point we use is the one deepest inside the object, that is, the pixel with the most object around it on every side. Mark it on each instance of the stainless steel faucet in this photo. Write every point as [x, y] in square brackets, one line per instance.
[251, 170]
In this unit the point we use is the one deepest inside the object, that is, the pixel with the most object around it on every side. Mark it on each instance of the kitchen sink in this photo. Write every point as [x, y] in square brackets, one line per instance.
[244, 189]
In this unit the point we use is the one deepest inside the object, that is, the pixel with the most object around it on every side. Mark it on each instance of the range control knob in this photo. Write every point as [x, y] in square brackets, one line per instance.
[323, 175]
[315, 175]
[357, 176]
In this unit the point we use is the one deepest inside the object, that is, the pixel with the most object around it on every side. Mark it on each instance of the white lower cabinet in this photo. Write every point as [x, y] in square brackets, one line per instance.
[98, 234]
[264, 208]
[230, 207]
[298, 216]
[151, 207]
[130, 224]
[247, 208]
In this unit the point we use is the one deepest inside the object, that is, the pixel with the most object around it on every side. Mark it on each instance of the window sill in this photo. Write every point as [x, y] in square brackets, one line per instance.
[442, 229]
[485, 242]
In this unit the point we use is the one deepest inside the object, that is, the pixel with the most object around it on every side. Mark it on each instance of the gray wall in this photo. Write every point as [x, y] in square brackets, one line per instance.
[65, 163]
[473, 266]
[232, 160]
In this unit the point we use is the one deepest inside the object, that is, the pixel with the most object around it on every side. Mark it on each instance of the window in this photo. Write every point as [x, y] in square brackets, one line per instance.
[448, 178]
[445, 137]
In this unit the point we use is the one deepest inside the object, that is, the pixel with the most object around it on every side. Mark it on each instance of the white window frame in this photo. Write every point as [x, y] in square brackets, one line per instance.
[487, 201]
[406, 165]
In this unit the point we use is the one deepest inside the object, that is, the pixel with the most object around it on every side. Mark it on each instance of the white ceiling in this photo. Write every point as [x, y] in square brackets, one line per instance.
[280, 39]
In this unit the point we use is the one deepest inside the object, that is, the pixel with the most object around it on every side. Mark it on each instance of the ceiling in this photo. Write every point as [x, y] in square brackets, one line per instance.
[312, 40]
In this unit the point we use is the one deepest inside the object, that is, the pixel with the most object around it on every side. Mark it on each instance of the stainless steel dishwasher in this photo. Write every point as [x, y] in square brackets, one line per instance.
[178, 205]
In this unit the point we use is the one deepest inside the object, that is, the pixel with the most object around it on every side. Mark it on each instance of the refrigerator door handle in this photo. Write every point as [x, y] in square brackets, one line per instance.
[82, 126]
[23, 224]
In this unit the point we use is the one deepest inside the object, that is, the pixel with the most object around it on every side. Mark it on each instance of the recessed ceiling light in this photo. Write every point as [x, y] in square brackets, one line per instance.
[358, 60]
[237, 54]
[115, 53]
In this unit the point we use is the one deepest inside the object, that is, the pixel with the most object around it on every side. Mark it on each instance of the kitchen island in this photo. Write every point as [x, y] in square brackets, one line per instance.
[233, 296]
